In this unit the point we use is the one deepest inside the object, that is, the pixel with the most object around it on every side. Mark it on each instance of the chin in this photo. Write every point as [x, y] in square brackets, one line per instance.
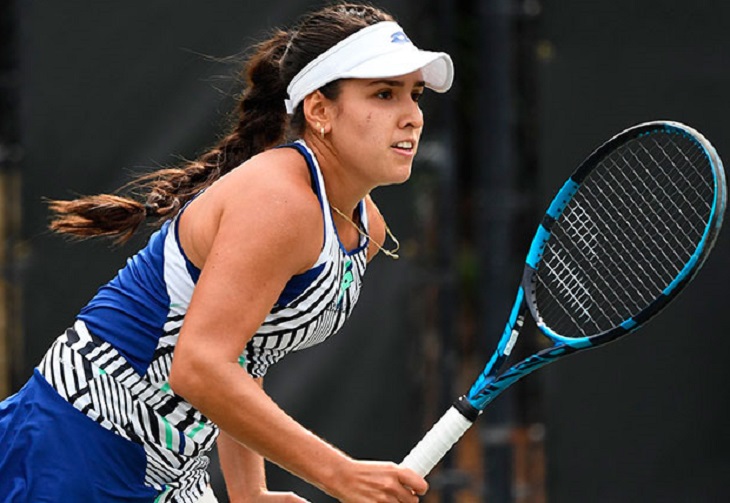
[400, 176]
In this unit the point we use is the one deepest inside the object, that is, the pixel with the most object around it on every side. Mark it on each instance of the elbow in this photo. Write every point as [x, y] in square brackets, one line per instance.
[177, 380]
[184, 379]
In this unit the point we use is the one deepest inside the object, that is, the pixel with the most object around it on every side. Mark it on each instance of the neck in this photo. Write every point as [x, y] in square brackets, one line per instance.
[343, 190]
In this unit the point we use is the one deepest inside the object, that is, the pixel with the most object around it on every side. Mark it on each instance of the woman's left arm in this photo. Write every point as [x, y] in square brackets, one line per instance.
[245, 473]
[242, 468]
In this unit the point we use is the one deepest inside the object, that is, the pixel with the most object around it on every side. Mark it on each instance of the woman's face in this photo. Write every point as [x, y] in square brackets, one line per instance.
[376, 126]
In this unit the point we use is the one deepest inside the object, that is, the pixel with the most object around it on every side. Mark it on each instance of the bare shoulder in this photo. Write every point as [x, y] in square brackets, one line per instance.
[272, 195]
[267, 202]
[376, 227]
[276, 176]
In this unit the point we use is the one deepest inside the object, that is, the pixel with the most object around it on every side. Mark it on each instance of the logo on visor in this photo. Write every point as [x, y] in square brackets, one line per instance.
[399, 38]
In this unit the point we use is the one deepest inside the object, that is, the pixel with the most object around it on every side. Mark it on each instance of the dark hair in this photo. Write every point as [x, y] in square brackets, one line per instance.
[261, 122]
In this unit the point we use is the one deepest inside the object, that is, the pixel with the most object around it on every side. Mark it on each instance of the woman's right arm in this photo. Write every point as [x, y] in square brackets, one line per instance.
[268, 229]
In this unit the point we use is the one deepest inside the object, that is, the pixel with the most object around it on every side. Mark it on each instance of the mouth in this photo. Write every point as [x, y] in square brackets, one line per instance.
[405, 147]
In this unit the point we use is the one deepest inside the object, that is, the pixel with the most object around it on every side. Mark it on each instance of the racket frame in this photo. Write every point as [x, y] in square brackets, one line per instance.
[490, 383]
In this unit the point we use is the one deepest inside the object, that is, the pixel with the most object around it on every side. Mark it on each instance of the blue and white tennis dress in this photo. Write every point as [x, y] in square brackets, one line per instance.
[113, 367]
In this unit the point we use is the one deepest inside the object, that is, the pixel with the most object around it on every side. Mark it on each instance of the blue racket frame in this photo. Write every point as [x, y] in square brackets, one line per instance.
[490, 382]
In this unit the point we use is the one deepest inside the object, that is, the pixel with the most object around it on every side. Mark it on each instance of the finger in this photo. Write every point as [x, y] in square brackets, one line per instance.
[407, 497]
[413, 481]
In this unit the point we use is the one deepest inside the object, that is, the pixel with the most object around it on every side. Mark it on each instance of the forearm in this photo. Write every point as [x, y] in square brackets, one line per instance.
[243, 469]
[246, 413]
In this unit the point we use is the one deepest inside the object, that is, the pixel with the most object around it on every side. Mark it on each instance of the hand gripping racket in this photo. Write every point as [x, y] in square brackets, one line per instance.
[624, 235]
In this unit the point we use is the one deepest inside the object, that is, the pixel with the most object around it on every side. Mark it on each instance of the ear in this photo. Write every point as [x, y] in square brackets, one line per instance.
[318, 112]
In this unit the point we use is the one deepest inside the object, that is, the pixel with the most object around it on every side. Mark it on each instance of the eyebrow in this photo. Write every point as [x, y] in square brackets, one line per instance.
[395, 83]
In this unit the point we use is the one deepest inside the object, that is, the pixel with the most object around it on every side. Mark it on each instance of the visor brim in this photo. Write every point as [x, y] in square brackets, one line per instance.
[437, 68]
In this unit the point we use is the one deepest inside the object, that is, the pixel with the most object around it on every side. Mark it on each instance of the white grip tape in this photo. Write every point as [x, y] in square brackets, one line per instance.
[437, 442]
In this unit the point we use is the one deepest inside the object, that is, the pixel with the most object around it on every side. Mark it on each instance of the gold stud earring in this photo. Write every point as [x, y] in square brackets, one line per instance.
[321, 130]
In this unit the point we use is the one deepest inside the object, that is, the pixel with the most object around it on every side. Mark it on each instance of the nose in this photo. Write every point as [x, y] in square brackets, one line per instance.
[412, 115]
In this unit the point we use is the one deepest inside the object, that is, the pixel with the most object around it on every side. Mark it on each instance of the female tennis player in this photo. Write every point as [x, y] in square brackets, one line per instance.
[261, 251]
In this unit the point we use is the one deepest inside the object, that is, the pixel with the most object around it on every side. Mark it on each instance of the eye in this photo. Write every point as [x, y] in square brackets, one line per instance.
[385, 94]
[416, 96]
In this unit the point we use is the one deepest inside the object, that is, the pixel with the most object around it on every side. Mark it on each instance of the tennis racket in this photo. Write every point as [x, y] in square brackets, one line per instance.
[624, 235]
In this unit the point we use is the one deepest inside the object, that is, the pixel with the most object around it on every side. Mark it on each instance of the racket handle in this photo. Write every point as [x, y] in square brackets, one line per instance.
[441, 437]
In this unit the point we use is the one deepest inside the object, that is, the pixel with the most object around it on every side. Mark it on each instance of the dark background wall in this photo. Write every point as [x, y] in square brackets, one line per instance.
[113, 88]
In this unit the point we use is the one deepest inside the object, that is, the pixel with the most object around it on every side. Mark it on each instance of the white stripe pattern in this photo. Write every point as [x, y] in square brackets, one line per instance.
[92, 376]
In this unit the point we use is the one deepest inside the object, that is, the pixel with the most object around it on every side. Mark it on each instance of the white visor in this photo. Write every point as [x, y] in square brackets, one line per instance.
[381, 50]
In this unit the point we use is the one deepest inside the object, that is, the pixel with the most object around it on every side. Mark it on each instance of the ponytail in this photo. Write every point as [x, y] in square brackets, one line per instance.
[261, 123]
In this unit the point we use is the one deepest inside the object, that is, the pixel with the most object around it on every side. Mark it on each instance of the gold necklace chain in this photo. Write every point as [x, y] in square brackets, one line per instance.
[390, 253]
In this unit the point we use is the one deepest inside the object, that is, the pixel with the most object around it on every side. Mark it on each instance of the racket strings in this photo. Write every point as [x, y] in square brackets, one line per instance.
[613, 299]
[630, 229]
[650, 227]
[644, 226]
[682, 195]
